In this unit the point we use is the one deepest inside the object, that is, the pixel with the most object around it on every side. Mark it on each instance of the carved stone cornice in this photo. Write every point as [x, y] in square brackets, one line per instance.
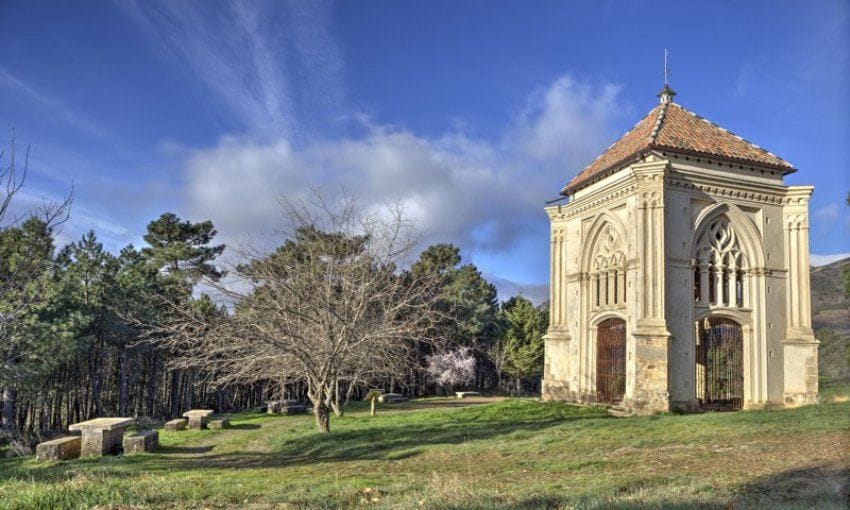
[599, 199]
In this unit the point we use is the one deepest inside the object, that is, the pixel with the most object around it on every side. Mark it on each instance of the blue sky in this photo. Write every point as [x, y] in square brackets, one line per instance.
[471, 114]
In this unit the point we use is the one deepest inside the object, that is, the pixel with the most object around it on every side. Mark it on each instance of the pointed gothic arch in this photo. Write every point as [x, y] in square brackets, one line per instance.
[603, 260]
[747, 233]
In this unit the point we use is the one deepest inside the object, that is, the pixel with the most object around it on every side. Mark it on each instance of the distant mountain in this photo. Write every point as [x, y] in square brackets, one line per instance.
[830, 305]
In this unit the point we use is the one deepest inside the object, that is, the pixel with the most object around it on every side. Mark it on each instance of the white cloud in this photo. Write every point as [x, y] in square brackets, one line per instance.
[537, 293]
[828, 213]
[248, 54]
[51, 105]
[822, 260]
[482, 194]
[476, 193]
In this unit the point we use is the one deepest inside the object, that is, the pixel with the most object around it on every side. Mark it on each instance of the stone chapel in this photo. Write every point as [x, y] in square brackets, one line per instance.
[680, 274]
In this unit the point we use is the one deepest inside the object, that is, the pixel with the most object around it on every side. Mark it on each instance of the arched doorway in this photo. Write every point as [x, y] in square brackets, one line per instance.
[720, 365]
[611, 361]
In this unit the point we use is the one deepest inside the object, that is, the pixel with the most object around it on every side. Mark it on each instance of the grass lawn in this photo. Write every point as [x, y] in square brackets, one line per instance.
[435, 454]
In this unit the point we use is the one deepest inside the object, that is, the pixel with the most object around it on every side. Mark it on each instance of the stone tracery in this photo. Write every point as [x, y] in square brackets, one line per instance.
[721, 267]
[608, 270]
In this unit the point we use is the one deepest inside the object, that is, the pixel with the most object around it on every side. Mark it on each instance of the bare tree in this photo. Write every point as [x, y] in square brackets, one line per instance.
[331, 305]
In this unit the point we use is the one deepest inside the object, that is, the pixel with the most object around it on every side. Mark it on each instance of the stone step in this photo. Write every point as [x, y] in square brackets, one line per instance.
[620, 412]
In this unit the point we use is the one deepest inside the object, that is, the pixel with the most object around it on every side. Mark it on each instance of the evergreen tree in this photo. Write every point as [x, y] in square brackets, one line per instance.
[180, 250]
[525, 326]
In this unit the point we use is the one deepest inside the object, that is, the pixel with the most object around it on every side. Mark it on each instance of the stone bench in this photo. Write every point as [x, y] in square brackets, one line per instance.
[465, 394]
[101, 436]
[176, 424]
[63, 448]
[221, 423]
[141, 442]
[393, 398]
[280, 406]
[198, 418]
[285, 406]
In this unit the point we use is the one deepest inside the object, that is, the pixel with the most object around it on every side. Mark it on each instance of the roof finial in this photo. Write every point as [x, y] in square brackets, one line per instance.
[666, 94]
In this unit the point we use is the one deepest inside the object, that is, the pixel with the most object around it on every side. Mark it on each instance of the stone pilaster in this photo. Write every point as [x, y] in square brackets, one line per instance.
[800, 348]
[650, 363]
[556, 383]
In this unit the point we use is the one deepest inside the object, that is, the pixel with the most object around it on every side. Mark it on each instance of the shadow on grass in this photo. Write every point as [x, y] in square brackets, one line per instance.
[184, 450]
[812, 487]
[243, 426]
[821, 487]
[394, 440]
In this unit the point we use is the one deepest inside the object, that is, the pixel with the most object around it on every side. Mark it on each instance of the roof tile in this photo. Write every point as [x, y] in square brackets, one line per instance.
[669, 127]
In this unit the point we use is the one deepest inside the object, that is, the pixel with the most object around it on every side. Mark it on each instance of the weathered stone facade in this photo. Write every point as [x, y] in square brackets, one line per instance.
[679, 237]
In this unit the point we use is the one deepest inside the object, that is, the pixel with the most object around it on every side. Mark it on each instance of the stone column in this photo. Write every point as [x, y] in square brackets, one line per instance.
[703, 283]
[805, 278]
[719, 298]
[732, 285]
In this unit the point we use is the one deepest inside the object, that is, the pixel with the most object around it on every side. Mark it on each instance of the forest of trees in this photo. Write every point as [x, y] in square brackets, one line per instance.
[87, 333]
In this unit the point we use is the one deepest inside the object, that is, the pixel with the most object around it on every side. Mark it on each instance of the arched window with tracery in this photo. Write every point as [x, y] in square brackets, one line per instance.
[608, 270]
[721, 267]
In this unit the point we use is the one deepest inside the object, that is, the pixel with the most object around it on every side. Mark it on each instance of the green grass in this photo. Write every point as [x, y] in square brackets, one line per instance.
[511, 454]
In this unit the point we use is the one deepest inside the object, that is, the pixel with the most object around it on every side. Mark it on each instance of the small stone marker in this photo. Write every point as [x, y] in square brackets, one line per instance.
[141, 442]
[176, 424]
[101, 436]
[372, 397]
[464, 394]
[198, 418]
[221, 423]
[63, 448]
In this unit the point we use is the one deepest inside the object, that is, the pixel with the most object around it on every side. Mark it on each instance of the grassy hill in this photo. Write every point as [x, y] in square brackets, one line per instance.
[433, 454]
[829, 302]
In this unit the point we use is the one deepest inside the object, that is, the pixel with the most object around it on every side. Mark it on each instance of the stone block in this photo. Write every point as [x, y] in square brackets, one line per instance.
[221, 423]
[141, 442]
[198, 418]
[63, 448]
[293, 409]
[176, 424]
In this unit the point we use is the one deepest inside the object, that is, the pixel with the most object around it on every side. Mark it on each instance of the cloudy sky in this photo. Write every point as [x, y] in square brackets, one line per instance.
[472, 114]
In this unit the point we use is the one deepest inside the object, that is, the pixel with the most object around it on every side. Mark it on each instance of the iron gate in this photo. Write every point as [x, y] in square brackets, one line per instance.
[720, 365]
[611, 361]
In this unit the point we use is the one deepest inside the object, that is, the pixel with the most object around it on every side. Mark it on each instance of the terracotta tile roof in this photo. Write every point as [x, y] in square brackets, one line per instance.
[671, 128]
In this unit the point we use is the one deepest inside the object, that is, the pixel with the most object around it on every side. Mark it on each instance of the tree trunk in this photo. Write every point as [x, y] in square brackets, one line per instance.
[9, 397]
[323, 416]
[336, 404]
[94, 373]
[122, 382]
[175, 393]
